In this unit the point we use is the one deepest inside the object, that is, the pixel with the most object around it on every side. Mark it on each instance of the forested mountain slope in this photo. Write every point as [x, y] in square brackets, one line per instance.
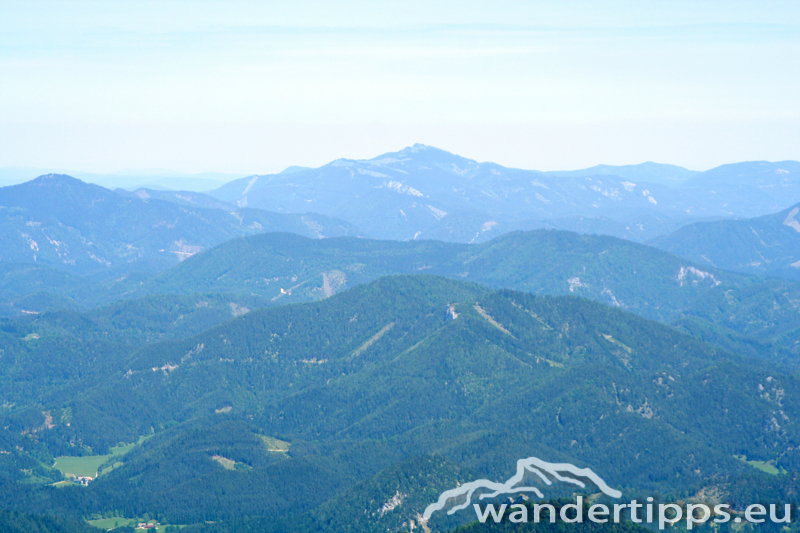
[290, 268]
[282, 409]
[147, 319]
[273, 269]
[11, 522]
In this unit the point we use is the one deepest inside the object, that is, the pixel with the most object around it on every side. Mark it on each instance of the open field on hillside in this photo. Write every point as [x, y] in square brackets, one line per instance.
[88, 465]
[81, 466]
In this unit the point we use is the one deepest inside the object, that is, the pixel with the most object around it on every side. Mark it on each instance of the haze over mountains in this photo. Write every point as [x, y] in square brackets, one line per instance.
[767, 245]
[82, 228]
[418, 193]
[295, 352]
[123, 239]
[423, 192]
[127, 179]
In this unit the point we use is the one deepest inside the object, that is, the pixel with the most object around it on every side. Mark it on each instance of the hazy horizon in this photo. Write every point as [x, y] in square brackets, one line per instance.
[135, 178]
[251, 87]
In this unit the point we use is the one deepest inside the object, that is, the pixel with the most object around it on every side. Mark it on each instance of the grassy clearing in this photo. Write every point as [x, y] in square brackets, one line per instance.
[122, 449]
[111, 523]
[764, 466]
[227, 464]
[275, 445]
[87, 466]
[81, 466]
[230, 464]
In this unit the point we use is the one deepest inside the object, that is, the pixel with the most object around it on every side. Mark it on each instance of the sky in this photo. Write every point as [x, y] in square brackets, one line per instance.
[253, 87]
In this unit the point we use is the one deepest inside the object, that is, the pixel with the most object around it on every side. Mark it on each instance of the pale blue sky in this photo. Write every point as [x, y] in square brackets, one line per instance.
[253, 87]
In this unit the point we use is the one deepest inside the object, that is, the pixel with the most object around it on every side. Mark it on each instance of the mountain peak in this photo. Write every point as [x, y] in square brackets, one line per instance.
[293, 169]
[55, 178]
[423, 154]
[61, 181]
[55, 182]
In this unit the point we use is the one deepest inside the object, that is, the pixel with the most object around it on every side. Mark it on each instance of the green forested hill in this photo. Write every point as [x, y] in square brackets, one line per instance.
[289, 268]
[283, 409]
[155, 318]
[282, 268]
[31, 287]
[286, 268]
[64, 352]
[754, 320]
[11, 522]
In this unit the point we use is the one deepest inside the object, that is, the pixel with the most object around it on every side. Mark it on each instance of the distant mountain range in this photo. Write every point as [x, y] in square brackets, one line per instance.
[423, 192]
[123, 239]
[184, 198]
[223, 367]
[767, 245]
[649, 172]
[127, 179]
[83, 228]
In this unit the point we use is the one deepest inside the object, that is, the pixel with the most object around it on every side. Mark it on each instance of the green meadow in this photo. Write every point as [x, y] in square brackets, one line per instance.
[81, 466]
[764, 466]
[88, 465]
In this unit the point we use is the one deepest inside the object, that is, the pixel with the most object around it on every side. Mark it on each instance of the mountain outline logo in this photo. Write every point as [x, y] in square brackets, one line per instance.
[547, 472]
